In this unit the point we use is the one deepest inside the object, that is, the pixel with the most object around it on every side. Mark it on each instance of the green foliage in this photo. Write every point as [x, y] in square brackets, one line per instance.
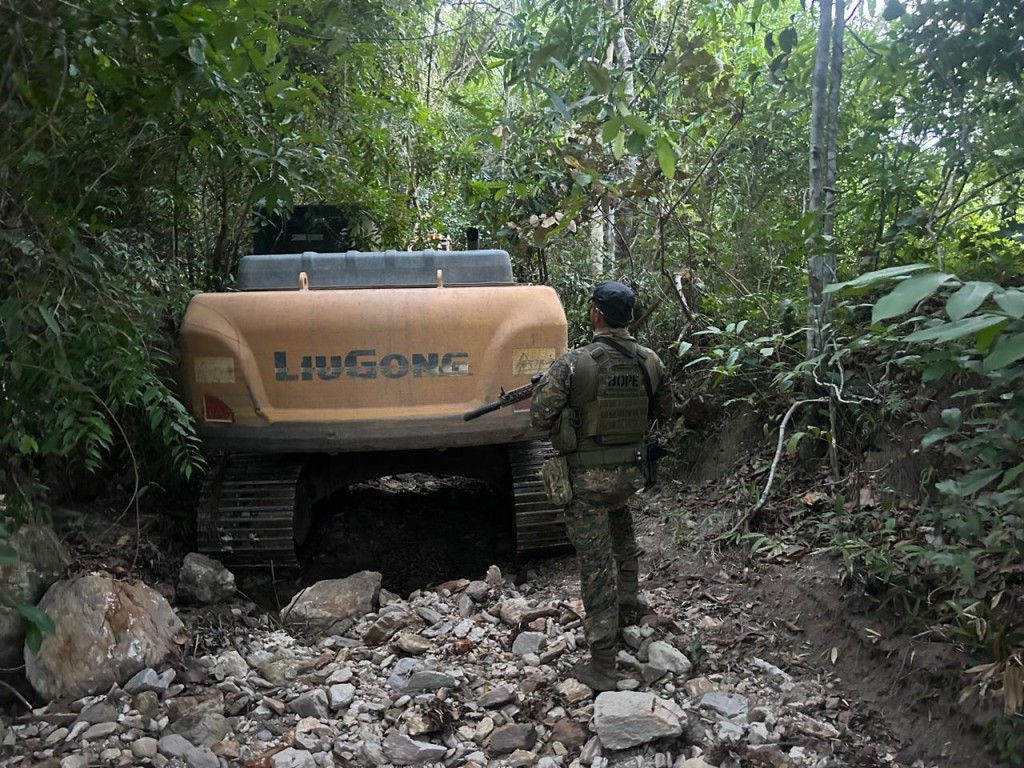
[98, 363]
[1007, 734]
[39, 623]
[756, 370]
[975, 543]
[137, 137]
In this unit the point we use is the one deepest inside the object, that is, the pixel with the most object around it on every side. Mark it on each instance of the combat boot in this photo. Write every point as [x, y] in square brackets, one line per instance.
[631, 608]
[599, 673]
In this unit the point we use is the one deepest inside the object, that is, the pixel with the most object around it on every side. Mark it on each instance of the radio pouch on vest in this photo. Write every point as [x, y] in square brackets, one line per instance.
[555, 474]
[563, 437]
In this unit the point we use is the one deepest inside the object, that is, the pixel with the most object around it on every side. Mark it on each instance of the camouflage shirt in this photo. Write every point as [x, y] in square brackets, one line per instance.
[551, 394]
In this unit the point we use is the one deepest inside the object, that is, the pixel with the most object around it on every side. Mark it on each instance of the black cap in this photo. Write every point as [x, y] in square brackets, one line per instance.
[615, 301]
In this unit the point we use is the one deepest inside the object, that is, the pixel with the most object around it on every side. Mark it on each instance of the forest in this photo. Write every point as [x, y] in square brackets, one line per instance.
[818, 204]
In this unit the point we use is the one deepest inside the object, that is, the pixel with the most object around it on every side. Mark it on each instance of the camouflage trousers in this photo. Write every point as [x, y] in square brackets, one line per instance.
[600, 527]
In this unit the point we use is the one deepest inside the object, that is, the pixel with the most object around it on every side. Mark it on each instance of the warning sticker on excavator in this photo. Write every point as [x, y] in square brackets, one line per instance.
[215, 370]
[526, 362]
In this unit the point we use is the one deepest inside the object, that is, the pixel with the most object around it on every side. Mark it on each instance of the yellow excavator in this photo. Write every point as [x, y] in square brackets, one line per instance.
[324, 369]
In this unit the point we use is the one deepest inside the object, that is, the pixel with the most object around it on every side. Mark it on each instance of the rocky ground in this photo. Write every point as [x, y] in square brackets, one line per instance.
[461, 662]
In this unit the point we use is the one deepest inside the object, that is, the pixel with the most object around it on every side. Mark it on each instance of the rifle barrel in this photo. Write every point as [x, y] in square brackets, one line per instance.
[478, 412]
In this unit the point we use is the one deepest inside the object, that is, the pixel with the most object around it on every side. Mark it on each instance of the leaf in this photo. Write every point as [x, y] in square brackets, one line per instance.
[598, 75]
[38, 617]
[937, 370]
[276, 89]
[1011, 302]
[957, 330]
[893, 10]
[33, 638]
[787, 39]
[1008, 349]
[985, 338]
[907, 294]
[794, 441]
[868, 279]
[197, 50]
[611, 129]
[635, 143]
[940, 433]
[952, 417]
[638, 124]
[666, 157]
[48, 318]
[967, 299]
[833, 655]
[1011, 476]
[970, 483]
[557, 103]
[619, 146]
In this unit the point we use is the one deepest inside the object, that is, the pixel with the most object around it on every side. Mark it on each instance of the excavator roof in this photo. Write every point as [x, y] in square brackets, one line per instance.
[363, 269]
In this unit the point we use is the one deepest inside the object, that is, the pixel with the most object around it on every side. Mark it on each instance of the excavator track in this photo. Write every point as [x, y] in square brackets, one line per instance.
[540, 526]
[248, 511]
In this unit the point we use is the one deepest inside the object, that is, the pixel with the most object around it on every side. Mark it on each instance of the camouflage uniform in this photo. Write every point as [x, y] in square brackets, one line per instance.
[598, 522]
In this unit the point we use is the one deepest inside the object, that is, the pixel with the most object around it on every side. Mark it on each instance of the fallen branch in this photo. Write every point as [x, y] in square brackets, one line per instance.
[17, 693]
[775, 463]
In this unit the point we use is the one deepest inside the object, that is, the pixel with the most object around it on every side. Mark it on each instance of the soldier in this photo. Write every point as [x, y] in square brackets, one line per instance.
[598, 401]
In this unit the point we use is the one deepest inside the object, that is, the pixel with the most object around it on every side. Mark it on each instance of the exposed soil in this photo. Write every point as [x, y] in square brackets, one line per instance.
[795, 612]
[800, 616]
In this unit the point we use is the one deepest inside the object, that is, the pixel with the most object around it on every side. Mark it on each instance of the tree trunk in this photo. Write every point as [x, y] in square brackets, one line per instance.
[622, 228]
[821, 265]
[817, 264]
[831, 168]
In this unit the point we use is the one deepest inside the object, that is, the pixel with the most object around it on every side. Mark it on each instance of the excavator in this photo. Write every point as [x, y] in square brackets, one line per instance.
[321, 369]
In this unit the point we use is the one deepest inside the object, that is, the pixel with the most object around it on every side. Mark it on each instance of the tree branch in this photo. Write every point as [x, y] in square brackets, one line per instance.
[745, 517]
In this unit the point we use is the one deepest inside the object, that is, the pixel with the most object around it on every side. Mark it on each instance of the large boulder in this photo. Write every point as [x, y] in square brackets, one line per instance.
[106, 631]
[327, 604]
[42, 559]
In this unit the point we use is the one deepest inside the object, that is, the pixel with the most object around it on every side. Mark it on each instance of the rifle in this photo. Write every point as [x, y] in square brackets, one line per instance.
[504, 399]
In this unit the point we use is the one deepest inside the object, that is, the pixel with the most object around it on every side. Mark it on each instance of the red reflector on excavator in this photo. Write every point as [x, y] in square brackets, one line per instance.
[216, 410]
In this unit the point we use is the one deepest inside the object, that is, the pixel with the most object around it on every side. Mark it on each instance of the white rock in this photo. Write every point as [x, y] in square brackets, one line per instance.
[293, 758]
[661, 654]
[145, 747]
[728, 731]
[230, 664]
[528, 643]
[727, 704]
[625, 719]
[757, 733]
[341, 696]
[771, 669]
